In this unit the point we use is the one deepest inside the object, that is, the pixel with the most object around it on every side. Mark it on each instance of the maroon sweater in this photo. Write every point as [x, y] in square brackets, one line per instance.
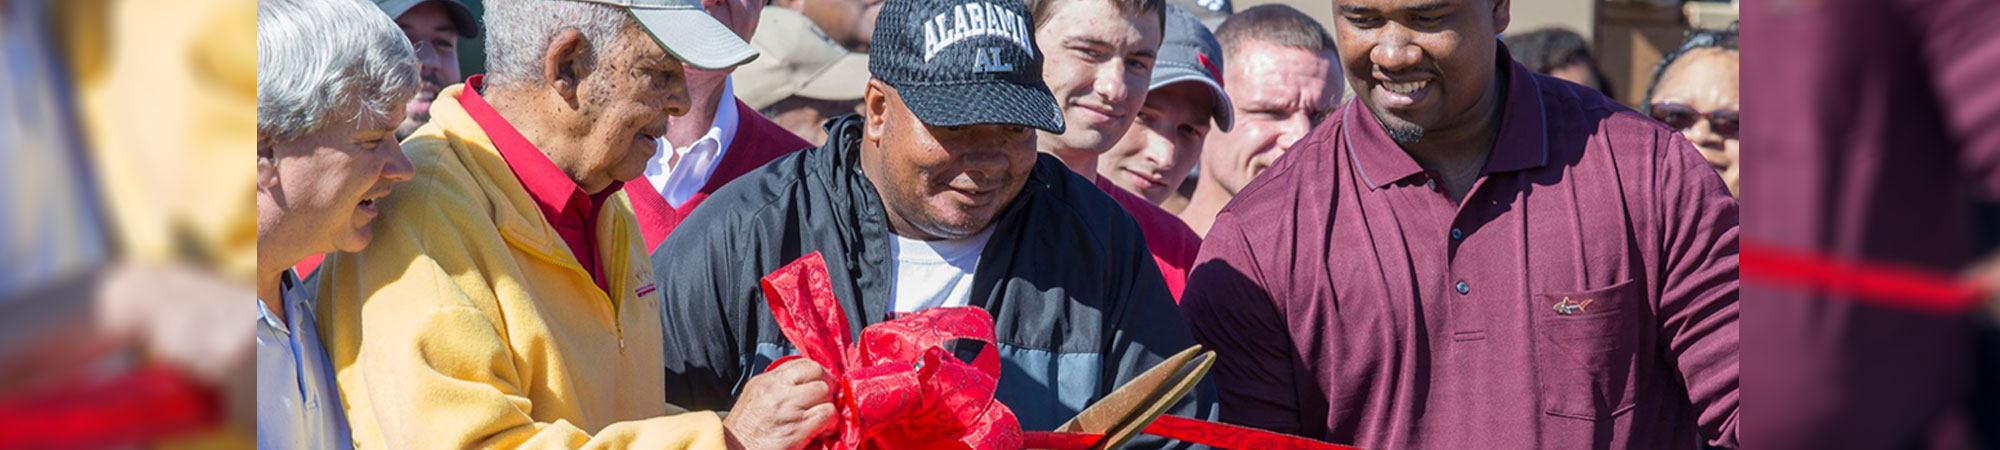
[758, 141]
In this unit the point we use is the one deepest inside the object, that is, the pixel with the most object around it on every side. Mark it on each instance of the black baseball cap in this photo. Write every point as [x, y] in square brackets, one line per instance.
[461, 17]
[964, 62]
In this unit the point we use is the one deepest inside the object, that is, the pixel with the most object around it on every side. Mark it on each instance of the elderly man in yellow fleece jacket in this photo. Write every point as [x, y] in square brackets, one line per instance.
[507, 301]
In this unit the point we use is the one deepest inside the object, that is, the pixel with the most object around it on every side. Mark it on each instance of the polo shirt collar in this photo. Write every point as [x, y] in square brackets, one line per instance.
[1521, 145]
[292, 298]
[559, 197]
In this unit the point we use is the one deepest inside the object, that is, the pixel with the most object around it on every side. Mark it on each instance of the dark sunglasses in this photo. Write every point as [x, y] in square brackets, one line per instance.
[1681, 117]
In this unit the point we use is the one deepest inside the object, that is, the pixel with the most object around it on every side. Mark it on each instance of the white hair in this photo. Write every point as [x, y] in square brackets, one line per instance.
[324, 61]
[518, 33]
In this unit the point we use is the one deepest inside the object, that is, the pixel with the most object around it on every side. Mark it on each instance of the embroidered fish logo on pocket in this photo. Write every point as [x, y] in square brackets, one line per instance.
[1571, 307]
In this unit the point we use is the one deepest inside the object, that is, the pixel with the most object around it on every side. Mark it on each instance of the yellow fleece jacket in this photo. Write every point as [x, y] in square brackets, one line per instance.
[467, 323]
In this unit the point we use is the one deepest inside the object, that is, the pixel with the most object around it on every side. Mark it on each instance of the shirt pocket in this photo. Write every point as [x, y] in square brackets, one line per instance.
[1584, 349]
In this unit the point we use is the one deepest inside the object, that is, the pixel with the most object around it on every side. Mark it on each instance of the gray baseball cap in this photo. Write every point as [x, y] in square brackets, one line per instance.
[461, 17]
[688, 32]
[1190, 53]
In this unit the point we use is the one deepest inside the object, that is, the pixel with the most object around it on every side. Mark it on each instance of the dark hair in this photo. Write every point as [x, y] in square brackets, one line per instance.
[1039, 10]
[1546, 49]
[1273, 23]
[1724, 39]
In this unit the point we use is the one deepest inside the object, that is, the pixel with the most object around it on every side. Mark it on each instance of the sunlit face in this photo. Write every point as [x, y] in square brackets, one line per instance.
[435, 39]
[1699, 95]
[321, 190]
[1279, 93]
[623, 106]
[1156, 154]
[1097, 61]
[1421, 66]
[941, 182]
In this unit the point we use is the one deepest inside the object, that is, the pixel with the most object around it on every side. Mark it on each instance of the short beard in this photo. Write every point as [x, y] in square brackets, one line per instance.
[1404, 135]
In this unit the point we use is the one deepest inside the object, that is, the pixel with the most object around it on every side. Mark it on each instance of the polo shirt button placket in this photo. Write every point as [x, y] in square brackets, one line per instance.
[1463, 289]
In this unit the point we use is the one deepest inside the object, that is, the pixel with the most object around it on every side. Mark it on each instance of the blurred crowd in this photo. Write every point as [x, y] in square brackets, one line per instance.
[1393, 230]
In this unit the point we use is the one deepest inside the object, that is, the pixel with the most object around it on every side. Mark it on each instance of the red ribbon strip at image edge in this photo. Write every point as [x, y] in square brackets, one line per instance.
[1883, 285]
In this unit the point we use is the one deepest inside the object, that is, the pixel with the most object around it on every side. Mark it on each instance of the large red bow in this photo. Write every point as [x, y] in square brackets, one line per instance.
[902, 388]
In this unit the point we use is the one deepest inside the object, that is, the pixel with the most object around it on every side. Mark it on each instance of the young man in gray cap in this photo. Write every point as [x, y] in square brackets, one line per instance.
[934, 197]
[1184, 97]
[1145, 166]
[434, 28]
[506, 300]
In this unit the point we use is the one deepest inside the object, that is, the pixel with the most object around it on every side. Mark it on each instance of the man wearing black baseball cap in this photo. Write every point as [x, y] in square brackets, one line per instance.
[934, 197]
[434, 28]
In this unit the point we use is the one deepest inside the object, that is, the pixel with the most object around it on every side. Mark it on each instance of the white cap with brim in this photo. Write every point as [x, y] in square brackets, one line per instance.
[685, 30]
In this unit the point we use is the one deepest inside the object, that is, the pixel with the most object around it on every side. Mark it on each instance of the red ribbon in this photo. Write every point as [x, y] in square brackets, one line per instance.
[1875, 284]
[902, 388]
[137, 408]
[1218, 435]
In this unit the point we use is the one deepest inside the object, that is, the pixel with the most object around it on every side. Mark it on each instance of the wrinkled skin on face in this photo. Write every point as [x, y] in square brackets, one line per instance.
[318, 193]
[1156, 155]
[1280, 93]
[940, 182]
[611, 113]
[1425, 68]
[1097, 60]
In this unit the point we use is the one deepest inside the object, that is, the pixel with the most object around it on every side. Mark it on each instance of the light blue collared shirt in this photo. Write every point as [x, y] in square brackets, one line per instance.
[297, 405]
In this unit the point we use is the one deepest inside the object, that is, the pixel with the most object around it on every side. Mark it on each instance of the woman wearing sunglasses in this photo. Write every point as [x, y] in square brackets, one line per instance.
[1695, 91]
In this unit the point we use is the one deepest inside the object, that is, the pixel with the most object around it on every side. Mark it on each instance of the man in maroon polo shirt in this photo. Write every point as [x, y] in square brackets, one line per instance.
[719, 139]
[1470, 255]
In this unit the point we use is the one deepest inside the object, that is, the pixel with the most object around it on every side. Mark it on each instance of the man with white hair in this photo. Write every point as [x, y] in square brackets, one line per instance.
[508, 301]
[334, 77]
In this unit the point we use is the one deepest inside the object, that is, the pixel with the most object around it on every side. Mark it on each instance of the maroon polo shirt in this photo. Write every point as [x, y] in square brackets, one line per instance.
[1875, 128]
[564, 204]
[1172, 243]
[1583, 295]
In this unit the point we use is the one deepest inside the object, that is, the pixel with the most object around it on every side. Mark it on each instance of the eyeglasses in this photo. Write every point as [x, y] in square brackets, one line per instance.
[1682, 117]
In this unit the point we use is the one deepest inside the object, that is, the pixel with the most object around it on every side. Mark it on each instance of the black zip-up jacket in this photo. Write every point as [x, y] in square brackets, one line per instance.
[1078, 306]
